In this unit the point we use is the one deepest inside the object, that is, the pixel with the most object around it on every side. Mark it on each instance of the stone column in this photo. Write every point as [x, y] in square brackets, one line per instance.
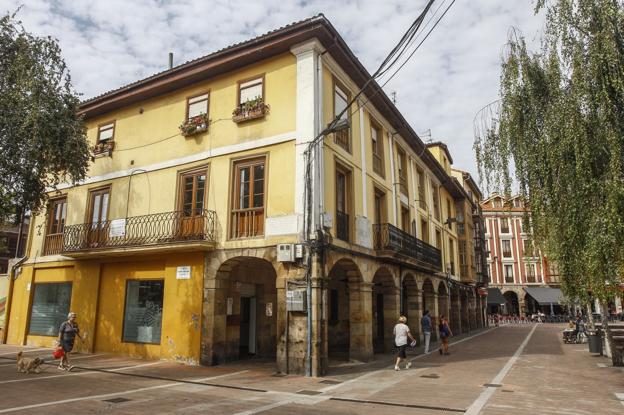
[214, 321]
[391, 315]
[282, 318]
[414, 313]
[435, 314]
[361, 321]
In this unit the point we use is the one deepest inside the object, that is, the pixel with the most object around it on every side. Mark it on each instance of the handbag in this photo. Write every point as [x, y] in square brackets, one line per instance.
[58, 353]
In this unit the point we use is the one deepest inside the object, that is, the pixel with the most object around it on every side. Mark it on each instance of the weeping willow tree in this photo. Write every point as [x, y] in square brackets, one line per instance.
[558, 134]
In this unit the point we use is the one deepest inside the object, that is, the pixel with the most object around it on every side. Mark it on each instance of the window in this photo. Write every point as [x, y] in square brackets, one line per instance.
[421, 188]
[341, 100]
[517, 203]
[489, 271]
[49, 309]
[193, 193]
[248, 199]
[343, 203]
[143, 311]
[197, 106]
[449, 213]
[98, 206]
[377, 144]
[527, 248]
[402, 167]
[509, 278]
[530, 272]
[438, 240]
[436, 201]
[57, 213]
[251, 90]
[380, 207]
[405, 219]
[424, 229]
[452, 256]
[106, 132]
[506, 248]
[487, 248]
[504, 225]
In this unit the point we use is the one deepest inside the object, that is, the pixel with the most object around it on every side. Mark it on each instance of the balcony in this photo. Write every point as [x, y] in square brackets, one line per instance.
[166, 231]
[390, 240]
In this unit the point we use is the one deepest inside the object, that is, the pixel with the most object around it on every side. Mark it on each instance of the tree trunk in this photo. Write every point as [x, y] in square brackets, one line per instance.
[616, 355]
[590, 317]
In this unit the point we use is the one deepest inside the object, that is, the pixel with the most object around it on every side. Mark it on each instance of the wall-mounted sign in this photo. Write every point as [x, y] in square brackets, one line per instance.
[117, 228]
[183, 272]
[230, 303]
[269, 309]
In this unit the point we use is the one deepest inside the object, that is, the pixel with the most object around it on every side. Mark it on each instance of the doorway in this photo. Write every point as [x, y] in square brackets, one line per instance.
[247, 335]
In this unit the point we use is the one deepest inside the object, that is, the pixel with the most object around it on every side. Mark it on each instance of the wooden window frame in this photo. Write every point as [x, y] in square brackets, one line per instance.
[379, 147]
[402, 162]
[90, 200]
[51, 240]
[51, 203]
[383, 214]
[235, 189]
[348, 173]
[188, 101]
[245, 80]
[180, 185]
[337, 84]
[99, 131]
[405, 225]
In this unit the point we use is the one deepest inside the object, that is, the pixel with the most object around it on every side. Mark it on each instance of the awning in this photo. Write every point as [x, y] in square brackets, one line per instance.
[495, 296]
[545, 295]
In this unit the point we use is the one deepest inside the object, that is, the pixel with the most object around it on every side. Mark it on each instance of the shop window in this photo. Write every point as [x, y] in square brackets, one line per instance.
[143, 311]
[50, 307]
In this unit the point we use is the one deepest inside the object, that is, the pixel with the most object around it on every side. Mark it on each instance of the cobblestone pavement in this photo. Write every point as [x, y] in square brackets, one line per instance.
[509, 370]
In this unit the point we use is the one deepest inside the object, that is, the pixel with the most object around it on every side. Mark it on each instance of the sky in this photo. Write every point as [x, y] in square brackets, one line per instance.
[107, 44]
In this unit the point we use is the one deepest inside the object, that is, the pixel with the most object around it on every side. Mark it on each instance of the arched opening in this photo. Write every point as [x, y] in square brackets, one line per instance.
[530, 305]
[511, 299]
[348, 332]
[428, 301]
[472, 304]
[465, 311]
[241, 325]
[479, 311]
[456, 326]
[385, 310]
[410, 306]
[443, 301]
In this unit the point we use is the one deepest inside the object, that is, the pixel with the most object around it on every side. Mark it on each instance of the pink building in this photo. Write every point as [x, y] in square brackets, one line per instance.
[520, 277]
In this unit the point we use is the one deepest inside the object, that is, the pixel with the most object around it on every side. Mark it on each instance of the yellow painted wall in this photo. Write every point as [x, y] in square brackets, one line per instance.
[182, 305]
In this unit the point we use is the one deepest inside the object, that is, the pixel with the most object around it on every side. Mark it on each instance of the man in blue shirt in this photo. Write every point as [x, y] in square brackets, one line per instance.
[426, 328]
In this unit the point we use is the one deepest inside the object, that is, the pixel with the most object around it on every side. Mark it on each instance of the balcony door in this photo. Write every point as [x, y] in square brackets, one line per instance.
[192, 200]
[98, 217]
[248, 199]
[343, 203]
[57, 212]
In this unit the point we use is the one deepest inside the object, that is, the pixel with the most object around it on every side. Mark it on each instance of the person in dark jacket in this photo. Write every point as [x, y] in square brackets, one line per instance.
[67, 335]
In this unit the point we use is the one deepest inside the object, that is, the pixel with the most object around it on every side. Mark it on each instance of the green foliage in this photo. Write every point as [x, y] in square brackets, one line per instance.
[560, 135]
[42, 139]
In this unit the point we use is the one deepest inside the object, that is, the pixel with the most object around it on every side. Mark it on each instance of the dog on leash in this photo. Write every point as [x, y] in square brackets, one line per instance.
[27, 364]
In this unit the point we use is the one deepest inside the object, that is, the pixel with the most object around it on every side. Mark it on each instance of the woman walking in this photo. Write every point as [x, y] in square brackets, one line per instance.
[401, 333]
[445, 333]
[67, 334]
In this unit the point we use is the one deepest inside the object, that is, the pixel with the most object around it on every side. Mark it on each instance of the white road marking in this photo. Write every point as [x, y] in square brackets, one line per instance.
[485, 396]
[110, 395]
[86, 372]
[25, 351]
[420, 356]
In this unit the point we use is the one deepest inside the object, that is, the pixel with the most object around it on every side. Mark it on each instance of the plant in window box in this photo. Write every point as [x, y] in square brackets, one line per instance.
[103, 147]
[250, 109]
[194, 125]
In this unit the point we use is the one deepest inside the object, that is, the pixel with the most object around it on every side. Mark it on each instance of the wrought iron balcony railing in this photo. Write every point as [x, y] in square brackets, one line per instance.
[387, 237]
[137, 231]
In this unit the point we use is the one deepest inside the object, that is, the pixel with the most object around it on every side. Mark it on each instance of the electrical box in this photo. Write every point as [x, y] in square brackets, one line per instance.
[299, 251]
[285, 253]
[296, 300]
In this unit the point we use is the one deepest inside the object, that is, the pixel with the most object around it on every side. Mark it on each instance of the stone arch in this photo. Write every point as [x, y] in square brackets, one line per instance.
[456, 326]
[512, 304]
[472, 306]
[429, 303]
[238, 289]
[410, 304]
[349, 313]
[385, 306]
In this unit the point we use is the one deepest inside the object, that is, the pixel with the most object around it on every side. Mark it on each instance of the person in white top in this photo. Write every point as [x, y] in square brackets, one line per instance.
[401, 333]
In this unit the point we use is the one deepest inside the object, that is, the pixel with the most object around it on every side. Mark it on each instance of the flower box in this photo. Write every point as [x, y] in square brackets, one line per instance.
[250, 110]
[103, 148]
[195, 125]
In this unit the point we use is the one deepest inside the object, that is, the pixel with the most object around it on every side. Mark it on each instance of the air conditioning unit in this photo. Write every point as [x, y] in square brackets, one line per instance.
[286, 253]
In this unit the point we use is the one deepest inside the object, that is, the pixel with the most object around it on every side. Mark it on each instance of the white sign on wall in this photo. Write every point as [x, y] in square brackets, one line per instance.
[183, 272]
[117, 228]
[229, 306]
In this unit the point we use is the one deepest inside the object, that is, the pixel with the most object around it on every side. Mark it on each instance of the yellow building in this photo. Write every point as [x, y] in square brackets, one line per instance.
[211, 226]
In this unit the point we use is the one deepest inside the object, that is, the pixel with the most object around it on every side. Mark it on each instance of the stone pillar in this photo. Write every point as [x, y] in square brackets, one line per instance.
[361, 321]
[391, 316]
[214, 321]
[456, 314]
[414, 313]
[283, 349]
[434, 314]
[473, 312]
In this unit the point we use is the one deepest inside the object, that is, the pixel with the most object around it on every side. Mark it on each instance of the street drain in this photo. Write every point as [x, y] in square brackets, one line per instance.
[330, 382]
[492, 385]
[117, 400]
[430, 376]
[307, 392]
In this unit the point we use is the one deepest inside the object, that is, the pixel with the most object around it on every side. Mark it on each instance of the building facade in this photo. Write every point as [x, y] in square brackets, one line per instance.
[519, 270]
[214, 226]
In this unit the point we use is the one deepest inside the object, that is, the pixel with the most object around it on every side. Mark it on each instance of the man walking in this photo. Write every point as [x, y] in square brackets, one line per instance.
[426, 328]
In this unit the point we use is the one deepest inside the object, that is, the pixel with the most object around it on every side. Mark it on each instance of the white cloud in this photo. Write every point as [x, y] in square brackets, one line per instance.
[110, 43]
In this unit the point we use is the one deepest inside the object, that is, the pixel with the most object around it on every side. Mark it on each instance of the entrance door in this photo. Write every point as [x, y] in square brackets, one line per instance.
[247, 335]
